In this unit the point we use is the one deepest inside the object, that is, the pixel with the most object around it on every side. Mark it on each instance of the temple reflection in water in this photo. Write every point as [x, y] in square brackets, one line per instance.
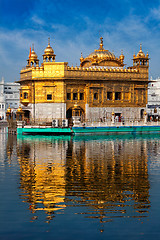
[105, 177]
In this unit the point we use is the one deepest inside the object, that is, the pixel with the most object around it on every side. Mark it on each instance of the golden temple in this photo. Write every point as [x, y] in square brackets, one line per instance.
[99, 86]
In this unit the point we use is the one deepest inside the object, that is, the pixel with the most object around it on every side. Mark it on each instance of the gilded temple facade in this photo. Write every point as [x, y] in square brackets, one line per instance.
[94, 90]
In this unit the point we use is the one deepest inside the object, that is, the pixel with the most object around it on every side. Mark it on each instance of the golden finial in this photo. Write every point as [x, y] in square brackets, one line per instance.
[49, 41]
[32, 46]
[140, 46]
[101, 44]
[81, 58]
[122, 56]
[147, 55]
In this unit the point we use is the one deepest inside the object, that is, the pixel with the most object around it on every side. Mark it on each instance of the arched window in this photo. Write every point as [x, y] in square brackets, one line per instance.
[95, 96]
[25, 95]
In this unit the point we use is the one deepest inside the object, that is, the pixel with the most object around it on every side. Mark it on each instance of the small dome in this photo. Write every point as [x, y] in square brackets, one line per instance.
[147, 55]
[49, 49]
[141, 53]
[33, 55]
[121, 56]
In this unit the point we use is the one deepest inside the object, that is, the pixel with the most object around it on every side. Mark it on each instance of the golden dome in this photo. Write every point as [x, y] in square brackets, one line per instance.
[121, 57]
[101, 52]
[102, 57]
[147, 55]
[33, 55]
[49, 49]
[141, 53]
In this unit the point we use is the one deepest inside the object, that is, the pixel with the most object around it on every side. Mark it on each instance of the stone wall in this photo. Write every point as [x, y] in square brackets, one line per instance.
[98, 113]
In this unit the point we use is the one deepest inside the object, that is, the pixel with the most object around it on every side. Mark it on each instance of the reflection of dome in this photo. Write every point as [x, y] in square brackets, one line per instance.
[102, 57]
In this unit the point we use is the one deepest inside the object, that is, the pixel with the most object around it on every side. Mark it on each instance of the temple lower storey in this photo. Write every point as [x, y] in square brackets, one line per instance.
[47, 112]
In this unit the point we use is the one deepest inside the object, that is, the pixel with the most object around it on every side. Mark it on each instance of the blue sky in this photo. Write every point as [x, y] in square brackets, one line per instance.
[75, 27]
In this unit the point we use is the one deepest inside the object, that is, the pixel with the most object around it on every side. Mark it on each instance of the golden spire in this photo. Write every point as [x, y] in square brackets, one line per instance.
[101, 44]
[141, 46]
[33, 55]
[140, 53]
[147, 55]
[121, 56]
[81, 58]
[49, 41]
[49, 49]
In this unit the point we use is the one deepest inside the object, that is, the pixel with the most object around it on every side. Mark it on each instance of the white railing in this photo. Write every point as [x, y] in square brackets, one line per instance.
[106, 122]
[127, 122]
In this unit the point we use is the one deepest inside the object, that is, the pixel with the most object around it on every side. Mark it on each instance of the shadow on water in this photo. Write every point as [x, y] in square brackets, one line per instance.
[100, 177]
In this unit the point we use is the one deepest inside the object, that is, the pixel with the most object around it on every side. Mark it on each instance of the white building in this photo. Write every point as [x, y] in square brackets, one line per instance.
[153, 106]
[9, 96]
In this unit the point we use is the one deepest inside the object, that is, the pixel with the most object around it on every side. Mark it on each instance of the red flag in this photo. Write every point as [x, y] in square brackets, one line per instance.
[30, 53]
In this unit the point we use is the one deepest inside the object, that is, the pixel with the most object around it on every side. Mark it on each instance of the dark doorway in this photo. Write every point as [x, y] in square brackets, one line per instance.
[142, 113]
[69, 113]
[27, 115]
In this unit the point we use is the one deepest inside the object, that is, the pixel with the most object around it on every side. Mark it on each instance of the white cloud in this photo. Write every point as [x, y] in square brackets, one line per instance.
[68, 42]
[155, 13]
[35, 19]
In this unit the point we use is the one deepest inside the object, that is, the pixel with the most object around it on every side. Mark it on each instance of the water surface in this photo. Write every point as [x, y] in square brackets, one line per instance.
[104, 187]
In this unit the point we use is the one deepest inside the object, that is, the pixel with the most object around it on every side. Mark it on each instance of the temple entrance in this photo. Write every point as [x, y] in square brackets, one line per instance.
[75, 112]
[27, 116]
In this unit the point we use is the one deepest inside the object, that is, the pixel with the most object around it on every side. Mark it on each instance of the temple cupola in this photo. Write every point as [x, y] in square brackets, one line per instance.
[141, 59]
[49, 55]
[33, 60]
[121, 57]
[102, 57]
